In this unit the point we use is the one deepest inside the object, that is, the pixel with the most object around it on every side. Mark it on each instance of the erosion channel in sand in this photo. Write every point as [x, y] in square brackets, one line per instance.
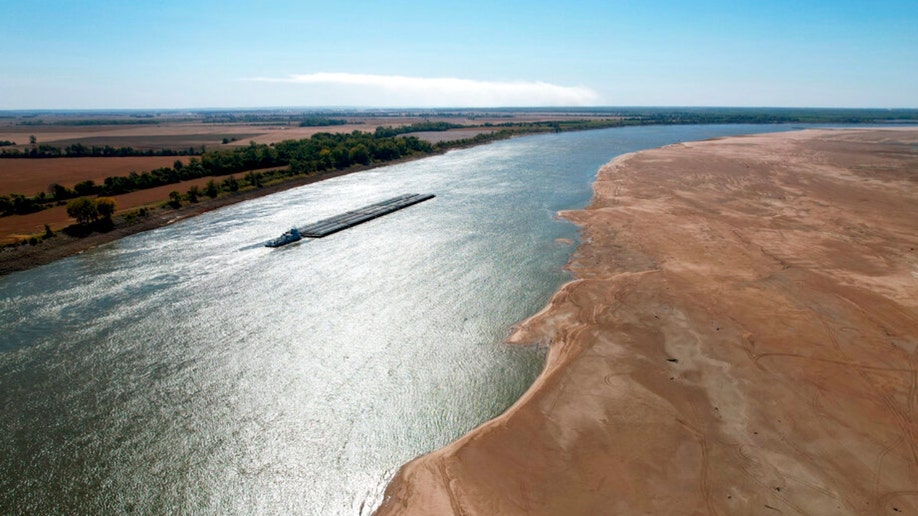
[740, 338]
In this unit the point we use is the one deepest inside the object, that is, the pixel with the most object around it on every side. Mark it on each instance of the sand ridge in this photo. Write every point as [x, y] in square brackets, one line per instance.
[740, 338]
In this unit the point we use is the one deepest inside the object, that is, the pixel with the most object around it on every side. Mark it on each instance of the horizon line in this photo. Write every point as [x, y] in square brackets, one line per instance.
[437, 109]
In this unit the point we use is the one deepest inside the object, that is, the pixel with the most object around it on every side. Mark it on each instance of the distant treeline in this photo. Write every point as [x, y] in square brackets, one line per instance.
[321, 152]
[772, 116]
[6, 143]
[387, 131]
[90, 122]
[272, 118]
[559, 125]
[231, 117]
[78, 150]
[318, 121]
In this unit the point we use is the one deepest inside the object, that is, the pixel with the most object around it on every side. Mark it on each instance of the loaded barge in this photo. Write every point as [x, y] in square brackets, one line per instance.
[348, 219]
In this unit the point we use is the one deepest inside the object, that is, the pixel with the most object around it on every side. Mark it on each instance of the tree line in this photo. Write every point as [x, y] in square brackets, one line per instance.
[135, 120]
[321, 121]
[389, 131]
[79, 150]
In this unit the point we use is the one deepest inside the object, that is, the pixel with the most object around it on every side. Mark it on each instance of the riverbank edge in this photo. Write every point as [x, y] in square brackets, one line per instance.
[426, 483]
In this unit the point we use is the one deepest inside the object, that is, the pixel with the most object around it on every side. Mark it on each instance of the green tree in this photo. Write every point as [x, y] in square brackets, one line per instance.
[22, 205]
[87, 187]
[60, 193]
[83, 210]
[211, 189]
[360, 154]
[105, 206]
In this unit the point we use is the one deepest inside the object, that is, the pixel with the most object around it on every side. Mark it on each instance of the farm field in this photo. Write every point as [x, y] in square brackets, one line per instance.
[170, 135]
[165, 131]
[31, 176]
[185, 134]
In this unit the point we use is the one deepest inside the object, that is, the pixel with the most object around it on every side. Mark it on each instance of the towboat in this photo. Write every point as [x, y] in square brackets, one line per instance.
[287, 238]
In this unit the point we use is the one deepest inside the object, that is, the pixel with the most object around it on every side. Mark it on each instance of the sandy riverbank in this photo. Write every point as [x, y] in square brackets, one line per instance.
[741, 338]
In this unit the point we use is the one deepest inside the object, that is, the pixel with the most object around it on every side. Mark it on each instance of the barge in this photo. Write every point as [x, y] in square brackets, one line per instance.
[349, 219]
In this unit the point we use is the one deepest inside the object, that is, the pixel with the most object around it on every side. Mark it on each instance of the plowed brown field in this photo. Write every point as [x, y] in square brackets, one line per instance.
[31, 176]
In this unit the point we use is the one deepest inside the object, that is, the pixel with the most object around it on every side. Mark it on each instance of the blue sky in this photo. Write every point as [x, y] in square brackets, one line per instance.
[229, 53]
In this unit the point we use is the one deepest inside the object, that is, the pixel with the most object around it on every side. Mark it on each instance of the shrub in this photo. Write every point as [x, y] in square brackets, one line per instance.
[175, 199]
[193, 193]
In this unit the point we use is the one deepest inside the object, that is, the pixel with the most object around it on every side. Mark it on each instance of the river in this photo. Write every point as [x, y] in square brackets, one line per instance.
[190, 370]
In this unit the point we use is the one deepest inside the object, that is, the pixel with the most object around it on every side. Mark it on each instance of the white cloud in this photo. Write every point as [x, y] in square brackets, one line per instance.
[397, 90]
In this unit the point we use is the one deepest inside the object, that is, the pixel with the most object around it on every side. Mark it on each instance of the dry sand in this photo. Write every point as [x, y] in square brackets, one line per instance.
[740, 338]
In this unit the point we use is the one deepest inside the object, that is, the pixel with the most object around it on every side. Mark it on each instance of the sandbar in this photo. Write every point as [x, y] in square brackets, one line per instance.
[740, 338]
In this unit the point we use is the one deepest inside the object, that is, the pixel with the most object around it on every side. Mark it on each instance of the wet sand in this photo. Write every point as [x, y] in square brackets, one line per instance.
[740, 338]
